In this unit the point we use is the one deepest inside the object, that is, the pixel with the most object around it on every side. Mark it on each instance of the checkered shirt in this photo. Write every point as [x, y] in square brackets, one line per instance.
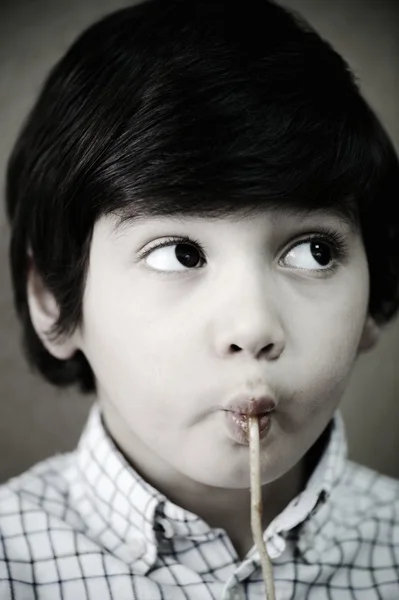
[86, 526]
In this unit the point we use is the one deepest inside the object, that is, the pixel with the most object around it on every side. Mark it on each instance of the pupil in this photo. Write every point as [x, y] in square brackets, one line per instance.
[187, 255]
[323, 256]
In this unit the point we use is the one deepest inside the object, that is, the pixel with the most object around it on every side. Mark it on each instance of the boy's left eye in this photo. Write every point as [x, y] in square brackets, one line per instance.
[311, 253]
[181, 254]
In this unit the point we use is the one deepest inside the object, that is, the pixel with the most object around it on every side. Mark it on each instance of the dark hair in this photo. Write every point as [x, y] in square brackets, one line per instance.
[194, 107]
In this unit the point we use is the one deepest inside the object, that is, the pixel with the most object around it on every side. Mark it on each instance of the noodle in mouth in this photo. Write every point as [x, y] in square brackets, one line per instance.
[256, 505]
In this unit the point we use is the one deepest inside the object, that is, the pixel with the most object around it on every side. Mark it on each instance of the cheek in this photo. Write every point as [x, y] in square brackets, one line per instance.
[328, 342]
[338, 319]
[133, 358]
[111, 335]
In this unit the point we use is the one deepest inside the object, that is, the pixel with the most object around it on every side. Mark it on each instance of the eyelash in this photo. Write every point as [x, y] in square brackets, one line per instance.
[335, 240]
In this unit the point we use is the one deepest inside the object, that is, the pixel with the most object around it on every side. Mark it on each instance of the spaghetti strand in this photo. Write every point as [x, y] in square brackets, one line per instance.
[256, 506]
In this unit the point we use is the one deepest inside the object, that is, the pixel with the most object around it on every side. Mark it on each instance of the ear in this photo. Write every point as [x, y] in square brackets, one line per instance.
[370, 336]
[44, 313]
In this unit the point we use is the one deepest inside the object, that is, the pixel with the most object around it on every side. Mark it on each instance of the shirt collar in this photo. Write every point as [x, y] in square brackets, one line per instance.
[125, 514]
[325, 478]
[116, 504]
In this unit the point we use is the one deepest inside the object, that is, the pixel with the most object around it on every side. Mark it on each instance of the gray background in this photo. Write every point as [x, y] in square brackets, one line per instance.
[36, 420]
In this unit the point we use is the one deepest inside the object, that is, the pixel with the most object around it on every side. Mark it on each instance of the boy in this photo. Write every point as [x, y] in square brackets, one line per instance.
[203, 213]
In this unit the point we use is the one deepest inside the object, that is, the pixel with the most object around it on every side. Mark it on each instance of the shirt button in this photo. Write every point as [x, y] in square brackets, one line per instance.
[236, 593]
[168, 530]
[279, 544]
[134, 551]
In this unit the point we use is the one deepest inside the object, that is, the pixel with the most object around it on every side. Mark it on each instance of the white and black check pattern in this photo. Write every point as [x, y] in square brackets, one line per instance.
[86, 526]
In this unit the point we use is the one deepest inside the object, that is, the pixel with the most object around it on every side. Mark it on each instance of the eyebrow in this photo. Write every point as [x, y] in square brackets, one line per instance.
[127, 219]
[346, 215]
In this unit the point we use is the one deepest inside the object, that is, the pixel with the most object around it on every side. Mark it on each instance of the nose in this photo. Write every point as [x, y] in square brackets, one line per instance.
[249, 322]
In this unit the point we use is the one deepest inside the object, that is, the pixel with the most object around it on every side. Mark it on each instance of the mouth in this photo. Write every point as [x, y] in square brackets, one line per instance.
[237, 425]
[251, 406]
[238, 411]
[242, 406]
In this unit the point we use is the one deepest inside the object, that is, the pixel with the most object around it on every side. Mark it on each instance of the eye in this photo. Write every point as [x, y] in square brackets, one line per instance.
[318, 252]
[175, 255]
[311, 254]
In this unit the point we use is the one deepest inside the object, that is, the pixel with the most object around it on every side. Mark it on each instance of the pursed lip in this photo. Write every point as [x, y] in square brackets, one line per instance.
[251, 406]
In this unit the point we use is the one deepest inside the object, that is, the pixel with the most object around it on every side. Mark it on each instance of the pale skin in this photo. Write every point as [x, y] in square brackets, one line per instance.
[170, 345]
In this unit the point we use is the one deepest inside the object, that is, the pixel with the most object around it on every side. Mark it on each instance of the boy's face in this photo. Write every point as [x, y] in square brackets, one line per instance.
[171, 341]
